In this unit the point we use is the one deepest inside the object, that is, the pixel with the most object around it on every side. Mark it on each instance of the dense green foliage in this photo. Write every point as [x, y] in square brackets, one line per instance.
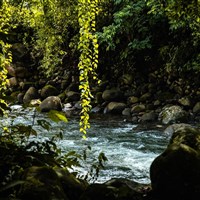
[127, 28]
[147, 35]
[182, 52]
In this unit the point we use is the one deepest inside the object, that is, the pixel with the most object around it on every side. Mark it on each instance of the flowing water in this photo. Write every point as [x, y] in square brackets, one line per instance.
[129, 152]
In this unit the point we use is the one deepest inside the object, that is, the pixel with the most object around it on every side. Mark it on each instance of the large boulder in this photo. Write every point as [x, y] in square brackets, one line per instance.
[172, 114]
[41, 183]
[175, 174]
[171, 129]
[47, 183]
[71, 185]
[51, 103]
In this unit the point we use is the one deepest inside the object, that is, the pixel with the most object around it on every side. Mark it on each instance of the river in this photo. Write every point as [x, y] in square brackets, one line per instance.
[130, 151]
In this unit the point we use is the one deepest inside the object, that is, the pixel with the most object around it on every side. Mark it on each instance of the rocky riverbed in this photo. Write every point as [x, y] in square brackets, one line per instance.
[154, 96]
[159, 97]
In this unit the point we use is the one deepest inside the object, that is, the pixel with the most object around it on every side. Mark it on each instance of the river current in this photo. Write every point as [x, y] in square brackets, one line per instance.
[130, 151]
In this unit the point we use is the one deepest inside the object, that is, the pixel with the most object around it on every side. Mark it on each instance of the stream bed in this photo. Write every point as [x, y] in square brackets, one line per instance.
[130, 151]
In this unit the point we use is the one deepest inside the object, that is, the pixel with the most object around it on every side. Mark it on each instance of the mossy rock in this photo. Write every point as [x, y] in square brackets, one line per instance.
[175, 173]
[48, 90]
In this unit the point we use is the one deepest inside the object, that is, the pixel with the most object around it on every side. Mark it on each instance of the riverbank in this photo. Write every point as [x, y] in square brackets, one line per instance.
[150, 97]
[153, 98]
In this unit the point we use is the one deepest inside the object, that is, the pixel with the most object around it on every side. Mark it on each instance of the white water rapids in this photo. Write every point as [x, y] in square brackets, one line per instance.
[130, 153]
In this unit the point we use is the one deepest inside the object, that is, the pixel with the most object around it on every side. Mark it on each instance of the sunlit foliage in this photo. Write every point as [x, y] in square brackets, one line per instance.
[50, 23]
[5, 54]
[89, 56]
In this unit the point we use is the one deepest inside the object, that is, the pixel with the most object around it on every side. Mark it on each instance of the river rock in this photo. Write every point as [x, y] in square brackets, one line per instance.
[175, 173]
[51, 103]
[148, 117]
[115, 108]
[10, 69]
[66, 79]
[171, 114]
[35, 102]
[138, 108]
[96, 109]
[77, 105]
[128, 189]
[72, 96]
[12, 82]
[156, 102]
[20, 97]
[126, 79]
[133, 99]
[113, 94]
[126, 112]
[21, 71]
[62, 96]
[48, 90]
[185, 101]
[145, 97]
[98, 98]
[30, 94]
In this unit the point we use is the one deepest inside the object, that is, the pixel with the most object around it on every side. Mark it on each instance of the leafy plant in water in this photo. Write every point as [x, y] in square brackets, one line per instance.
[97, 165]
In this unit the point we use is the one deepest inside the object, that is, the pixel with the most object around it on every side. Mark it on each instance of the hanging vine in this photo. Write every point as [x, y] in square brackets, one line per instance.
[88, 60]
[46, 19]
